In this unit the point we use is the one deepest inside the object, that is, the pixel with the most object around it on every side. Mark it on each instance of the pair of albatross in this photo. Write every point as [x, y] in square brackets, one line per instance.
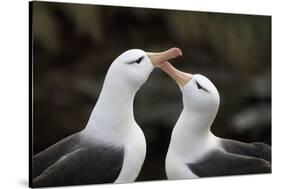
[112, 147]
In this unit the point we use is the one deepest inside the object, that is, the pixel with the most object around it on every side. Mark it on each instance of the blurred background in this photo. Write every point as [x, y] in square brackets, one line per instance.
[74, 45]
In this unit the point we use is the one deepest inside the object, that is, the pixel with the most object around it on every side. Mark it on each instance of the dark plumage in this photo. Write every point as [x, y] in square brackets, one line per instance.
[73, 161]
[237, 159]
[254, 149]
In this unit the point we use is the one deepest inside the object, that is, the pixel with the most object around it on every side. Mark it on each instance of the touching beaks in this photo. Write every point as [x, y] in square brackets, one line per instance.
[181, 78]
[159, 58]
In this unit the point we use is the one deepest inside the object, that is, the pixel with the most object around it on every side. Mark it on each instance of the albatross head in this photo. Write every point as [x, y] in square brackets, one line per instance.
[133, 67]
[113, 112]
[199, 93]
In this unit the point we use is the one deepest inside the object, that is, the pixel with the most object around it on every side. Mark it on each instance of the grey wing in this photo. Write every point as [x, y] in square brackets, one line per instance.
[47, 157]
[83, 166]
[220, 163]
[255, 149]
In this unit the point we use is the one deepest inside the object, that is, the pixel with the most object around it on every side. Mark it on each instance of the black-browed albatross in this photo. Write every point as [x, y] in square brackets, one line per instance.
[112, 146]
[194, 151]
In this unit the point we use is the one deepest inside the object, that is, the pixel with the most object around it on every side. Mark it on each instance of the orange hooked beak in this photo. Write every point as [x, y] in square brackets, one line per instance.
[181, 78]
[159, 58]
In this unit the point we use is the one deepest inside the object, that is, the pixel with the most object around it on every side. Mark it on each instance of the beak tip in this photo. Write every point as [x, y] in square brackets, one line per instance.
[177, 51]
[159, 58]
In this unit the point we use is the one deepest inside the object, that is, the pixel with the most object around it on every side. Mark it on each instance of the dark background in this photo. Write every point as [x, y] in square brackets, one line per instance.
[74, 45]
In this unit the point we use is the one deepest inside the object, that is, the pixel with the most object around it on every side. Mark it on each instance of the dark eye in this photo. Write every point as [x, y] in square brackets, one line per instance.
[200, 86]
[139, 60]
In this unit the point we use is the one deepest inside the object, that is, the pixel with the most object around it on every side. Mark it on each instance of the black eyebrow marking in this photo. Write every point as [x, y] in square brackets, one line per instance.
[200, 87]
[139, 60]
[136, 61]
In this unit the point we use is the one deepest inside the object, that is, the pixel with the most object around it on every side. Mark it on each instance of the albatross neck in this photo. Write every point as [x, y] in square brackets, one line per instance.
[192, 131]
[114, 108]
